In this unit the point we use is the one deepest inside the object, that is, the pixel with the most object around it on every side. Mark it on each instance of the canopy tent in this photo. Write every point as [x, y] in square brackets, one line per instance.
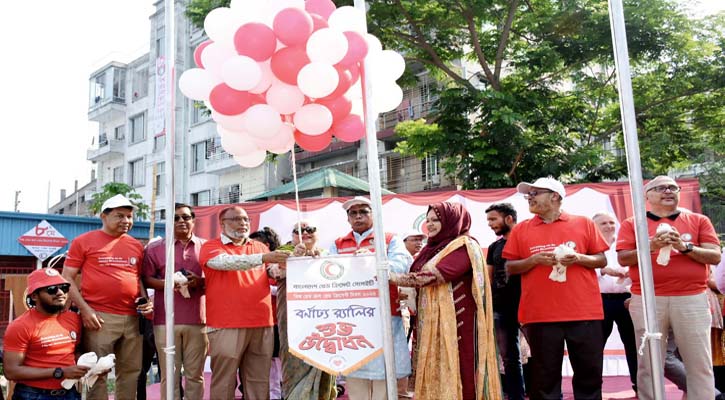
[330, 181]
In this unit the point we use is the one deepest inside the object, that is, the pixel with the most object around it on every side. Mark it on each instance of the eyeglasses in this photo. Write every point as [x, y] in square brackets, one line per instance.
[361, 213]
[186, 218]
[53, 290]
[665, 188]
[238, 220]
[308, 229]
[535, 193]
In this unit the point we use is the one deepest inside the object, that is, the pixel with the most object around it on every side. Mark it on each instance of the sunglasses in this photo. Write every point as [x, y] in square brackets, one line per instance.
[664, 188]
[53, 290]
[535, 193]
[186, 218]
[309, 229]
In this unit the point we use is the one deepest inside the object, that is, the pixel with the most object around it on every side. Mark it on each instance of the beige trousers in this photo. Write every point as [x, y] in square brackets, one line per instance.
[246, 349]
[191, 344]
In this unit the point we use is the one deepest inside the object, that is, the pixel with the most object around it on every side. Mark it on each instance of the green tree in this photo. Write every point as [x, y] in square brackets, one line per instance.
[113, 188]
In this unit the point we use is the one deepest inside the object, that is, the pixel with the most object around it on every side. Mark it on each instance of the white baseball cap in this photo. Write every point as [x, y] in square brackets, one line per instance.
[413, 232]
[117, 201]
[543, 183]
[358, 200]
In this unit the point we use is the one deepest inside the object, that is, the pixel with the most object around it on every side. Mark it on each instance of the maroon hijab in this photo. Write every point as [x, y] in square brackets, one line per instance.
[455, 221]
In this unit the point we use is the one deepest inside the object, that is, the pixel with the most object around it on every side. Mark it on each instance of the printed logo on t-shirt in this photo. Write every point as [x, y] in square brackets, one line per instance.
[111, 261]
[73, 335]
[51, 272]
[686, 236]
[132, 260]
[570, 244]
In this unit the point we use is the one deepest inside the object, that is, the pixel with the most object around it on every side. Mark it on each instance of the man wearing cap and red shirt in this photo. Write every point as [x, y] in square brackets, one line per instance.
[413, 240]
[680, 284]
[554, 311]
[368, 382]
[110, 262]
[40, 345]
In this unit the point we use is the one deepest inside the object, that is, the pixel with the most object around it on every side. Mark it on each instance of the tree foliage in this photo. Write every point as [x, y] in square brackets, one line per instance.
[111, 189]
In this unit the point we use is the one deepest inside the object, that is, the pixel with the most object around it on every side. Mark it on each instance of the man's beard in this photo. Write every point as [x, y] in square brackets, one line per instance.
[51, 308]
[237, 235]
[504, 230]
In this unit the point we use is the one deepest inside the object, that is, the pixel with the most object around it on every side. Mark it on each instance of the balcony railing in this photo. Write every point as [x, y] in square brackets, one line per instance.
[106, 148]
[413, 111]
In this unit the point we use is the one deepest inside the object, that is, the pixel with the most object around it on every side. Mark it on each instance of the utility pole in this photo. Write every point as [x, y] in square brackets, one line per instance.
[17, 199]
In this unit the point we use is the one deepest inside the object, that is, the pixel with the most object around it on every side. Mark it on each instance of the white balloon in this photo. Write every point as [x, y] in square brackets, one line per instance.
[214, 56]
[394, 64]
[387, 98]
[284, 98]
[374, 45]
[317, 79]
[241, 73]
[280, 143]
[327, 45]
[266, 79]
[348, 19]
[313, 119]
[262, 121]
[228, 122]
[237, 143]
[220, 25]
[251, 160]
[196, 83]
[355, 91]
[249, 10]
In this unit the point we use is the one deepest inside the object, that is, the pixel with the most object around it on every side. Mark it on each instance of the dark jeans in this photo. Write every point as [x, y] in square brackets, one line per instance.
[507, 336]
[614, 311]
[22, 392]
[584, 343]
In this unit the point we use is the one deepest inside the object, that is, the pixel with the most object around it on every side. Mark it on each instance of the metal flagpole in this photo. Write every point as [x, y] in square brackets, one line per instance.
[371, 142]
[652, 336]
[170, 131]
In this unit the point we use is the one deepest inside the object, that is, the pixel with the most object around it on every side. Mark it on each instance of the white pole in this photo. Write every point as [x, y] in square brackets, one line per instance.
[170, 131]
[371, 142]
[629, 123]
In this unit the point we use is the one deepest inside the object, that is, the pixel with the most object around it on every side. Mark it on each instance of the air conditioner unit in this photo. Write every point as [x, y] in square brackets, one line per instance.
[435, 180]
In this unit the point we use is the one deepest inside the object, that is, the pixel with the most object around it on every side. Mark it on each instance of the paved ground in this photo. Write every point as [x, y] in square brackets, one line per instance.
[615, 387]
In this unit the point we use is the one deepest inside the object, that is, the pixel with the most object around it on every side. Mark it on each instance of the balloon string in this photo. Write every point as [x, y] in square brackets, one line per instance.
[297, 196]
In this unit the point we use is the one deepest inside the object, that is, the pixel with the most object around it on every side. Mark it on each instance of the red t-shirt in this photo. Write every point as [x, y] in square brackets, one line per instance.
[46, 341]
[543, 300]
[236, 299]
[682, 276]
[110, 269]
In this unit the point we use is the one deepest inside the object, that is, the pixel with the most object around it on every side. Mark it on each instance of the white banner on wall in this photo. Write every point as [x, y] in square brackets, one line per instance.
[333, 311]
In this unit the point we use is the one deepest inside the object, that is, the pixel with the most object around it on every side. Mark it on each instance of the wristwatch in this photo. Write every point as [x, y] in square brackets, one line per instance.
[688, 248]
[58, 373]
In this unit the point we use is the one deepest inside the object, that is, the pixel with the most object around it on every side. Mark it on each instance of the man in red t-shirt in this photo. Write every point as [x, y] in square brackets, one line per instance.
[110, 262]
[40, 345]
[238, 307]
[690, 244]
[558, 308]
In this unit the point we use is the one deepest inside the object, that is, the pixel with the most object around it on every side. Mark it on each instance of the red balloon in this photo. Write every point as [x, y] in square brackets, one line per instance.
[198, 50]
[228, 101]
[350, 129]
[322, 7]
[318, 22]
[293, 26]
[255, 40]
[313, 143]
[355, 72]
[340, 107]
[357, 49]
[344, 84]
[287, 62]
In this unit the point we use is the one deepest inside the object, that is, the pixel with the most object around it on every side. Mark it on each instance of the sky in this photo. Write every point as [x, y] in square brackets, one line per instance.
[50, 50]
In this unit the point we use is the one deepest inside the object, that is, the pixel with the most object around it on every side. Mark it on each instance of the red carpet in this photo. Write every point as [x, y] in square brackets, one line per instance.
[615, 387]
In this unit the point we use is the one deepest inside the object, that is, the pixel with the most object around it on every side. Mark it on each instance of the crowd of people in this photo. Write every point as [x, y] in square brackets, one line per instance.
[555, 281]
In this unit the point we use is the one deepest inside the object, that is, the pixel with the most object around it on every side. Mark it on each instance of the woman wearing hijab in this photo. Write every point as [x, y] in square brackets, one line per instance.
[299, 379]
[456, 352]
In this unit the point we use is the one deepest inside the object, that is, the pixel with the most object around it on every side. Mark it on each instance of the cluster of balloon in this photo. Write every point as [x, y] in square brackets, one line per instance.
[276, 72]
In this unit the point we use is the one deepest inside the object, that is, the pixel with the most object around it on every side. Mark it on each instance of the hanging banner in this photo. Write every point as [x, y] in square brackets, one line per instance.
[333, 311]
[158, 116]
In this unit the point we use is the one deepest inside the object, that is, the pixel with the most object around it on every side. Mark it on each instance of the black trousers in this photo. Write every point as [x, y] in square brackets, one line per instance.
[583, 342]
[614, 311]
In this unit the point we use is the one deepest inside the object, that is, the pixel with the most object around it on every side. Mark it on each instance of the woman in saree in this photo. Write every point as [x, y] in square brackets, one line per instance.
[299, 379]
[456, 351]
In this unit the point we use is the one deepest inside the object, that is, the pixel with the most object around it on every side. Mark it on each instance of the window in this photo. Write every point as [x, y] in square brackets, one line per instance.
[160, 42]
[118, 174]
[119, 85]
[159, 143]
[200, 198]
[98, 89]
[160, 215]
[160, 180]
[199, 112]
[428, 168]
[138, 128]
[140, 83]
[136, 172]
[102, 140]
[119, 132]
[198, 156]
